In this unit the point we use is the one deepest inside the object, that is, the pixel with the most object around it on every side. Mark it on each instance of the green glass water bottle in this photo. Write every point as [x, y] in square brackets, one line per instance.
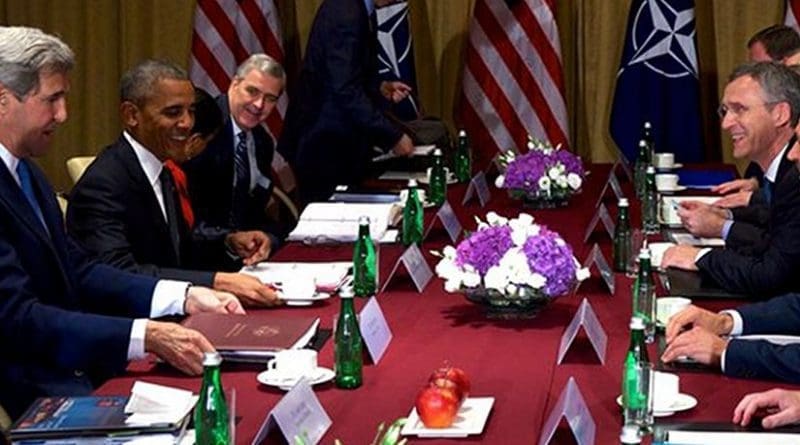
[347, 344]
[622, 237]
[364, 261]
[647, 136]
[644, 295]
[412, 216]
[635, 392]
[211, 421]
[650, 203]
[437, 182]
[463, 158]
[640, 169]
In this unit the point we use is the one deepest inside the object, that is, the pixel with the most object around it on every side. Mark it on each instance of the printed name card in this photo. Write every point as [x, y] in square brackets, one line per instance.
[601, 215]
[573, 407]
[586, 317]
[596, 258]
[374, 329]
[478, 185]
[612, 182]
[298, 415]
[415, 265]
[623, 163]
[449, 220]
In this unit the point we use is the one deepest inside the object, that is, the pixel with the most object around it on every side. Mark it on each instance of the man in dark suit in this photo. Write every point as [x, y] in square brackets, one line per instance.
[230, 182]
[66, 322]
[334, 118]
[125, 208]
[758, 359]
[760, 109]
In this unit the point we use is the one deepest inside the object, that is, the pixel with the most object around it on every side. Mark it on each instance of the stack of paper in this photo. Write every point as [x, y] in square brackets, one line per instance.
[326, 277]
[323, 222]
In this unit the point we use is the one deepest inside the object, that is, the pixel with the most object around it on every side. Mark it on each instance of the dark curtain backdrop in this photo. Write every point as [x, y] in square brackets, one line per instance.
[110, 36]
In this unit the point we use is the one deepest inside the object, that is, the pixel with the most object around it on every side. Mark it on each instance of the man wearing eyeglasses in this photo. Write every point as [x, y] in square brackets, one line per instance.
[230, 182]
[760, 108]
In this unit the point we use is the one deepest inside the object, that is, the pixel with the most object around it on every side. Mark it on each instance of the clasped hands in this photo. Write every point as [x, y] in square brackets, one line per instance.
[697, 333]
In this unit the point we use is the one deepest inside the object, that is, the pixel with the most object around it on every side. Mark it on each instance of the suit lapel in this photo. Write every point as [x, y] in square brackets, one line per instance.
[13, 195]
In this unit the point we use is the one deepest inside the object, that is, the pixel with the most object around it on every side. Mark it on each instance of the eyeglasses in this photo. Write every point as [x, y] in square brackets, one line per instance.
[739, 109]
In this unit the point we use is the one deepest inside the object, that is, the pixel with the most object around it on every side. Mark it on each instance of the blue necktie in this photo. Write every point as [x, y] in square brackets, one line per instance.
[767, 186]
[24, 173]
[241, 181]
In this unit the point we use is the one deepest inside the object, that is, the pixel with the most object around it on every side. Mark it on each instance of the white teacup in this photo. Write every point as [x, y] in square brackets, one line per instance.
[666, 388]
[669, 211]
[666, 181]
[664, 160]
[404, 196]
[299, 289]
[666, 307]
[294, 363]
[657, 252]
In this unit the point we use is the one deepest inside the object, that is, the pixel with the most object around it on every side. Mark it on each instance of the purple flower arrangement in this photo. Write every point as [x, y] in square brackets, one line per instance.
[542, 172]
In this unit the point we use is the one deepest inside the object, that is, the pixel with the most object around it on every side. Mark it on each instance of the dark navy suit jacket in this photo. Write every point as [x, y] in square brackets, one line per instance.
[334, 117]
[762, 359]
[113, 213]
[51, 296]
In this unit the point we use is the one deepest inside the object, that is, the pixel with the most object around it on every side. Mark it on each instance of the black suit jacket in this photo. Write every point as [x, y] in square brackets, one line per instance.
[114, 214]
[335, 117]
[52, 333]
[210, 177]
[772, 272]
[762, 359]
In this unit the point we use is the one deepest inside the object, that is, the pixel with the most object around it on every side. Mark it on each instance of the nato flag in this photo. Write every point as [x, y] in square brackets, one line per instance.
[657, 81]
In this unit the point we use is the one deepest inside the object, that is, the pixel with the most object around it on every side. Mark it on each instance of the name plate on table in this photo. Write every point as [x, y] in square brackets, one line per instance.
[586, 317]
[612, 182]
[374, 329]
[601, 215]
[416, 266]
[597, 258]
[623, 163]
[449, 220]
[478, 185]
[573, 407]
[298, 415]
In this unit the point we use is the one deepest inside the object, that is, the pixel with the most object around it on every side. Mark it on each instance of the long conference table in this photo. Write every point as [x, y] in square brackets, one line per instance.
[512, 361]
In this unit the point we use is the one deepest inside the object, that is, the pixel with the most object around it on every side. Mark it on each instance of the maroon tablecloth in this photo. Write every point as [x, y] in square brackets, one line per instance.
[513, 361]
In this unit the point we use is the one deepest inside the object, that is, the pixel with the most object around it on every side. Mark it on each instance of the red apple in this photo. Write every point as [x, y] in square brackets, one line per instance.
[456, 376]
[437, 407]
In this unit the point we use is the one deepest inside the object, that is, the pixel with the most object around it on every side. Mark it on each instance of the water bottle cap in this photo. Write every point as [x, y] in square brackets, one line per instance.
[630, 435]
[644, 253]
[642, 143]
[651, 169]
[437, 151]
[412, 183]
[462, 133]
[636, 323]
[623, 202]
[647, 124]
[363, 220]
[346, 292]
[212, 359]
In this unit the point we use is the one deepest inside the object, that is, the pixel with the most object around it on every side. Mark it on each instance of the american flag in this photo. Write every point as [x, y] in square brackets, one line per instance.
[792, 13]
[226, 32]
[513, 82]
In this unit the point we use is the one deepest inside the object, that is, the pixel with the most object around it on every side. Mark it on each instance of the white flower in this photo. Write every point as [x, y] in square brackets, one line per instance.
[471, 279]
[536, 280]
[499, 181]
[452, 286]
[525, 219]
[582, 273]
[511, 289]
[496, 220]
[531, 145]
[544, 183]
[447, 269]
[496, 278]
[553, 173]
[561, 182]
[449, 252]
[574, 181]
[518, 234]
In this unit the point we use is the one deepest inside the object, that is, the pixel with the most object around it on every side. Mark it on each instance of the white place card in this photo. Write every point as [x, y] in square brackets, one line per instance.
[298, 415]
[601, 215]
[612, 182]
[596, 258]
[417, 268]
[573, 407]
[730, 438]
[586, 317]
[623, 163]
[449, 220]
[478, 185]
[374, 329]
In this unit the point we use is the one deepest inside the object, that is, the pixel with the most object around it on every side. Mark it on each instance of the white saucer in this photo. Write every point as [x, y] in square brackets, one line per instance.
[318, 296]
[451, 179]
[678, 188]
[286, 382]
[682, 402]
[672, 167]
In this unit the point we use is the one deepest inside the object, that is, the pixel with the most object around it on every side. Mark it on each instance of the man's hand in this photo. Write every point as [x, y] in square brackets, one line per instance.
[738, 199]
[395, 91]
[737, 185]
[680, 256]
[203, 299]
[180, 347]
[702, 220]
[404, 147]
[251, 246]
[698, 344]
[782, 405]
[250, 290]
[719, 324]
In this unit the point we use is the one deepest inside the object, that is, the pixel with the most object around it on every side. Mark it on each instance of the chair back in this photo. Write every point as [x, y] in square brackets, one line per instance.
[77, 165]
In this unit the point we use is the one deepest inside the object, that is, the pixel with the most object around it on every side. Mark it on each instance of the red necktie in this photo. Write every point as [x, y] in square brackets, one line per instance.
[183, 191]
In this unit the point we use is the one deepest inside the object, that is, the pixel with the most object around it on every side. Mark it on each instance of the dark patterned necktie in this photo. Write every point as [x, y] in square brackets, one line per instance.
[171, 209]
[241, 181]
[768, 186]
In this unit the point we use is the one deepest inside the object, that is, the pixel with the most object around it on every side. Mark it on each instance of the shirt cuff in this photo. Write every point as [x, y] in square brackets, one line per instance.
[726, 228]
[701, 254]
[136, 345]
[738, 323]
[168, 298]
[722, 359]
